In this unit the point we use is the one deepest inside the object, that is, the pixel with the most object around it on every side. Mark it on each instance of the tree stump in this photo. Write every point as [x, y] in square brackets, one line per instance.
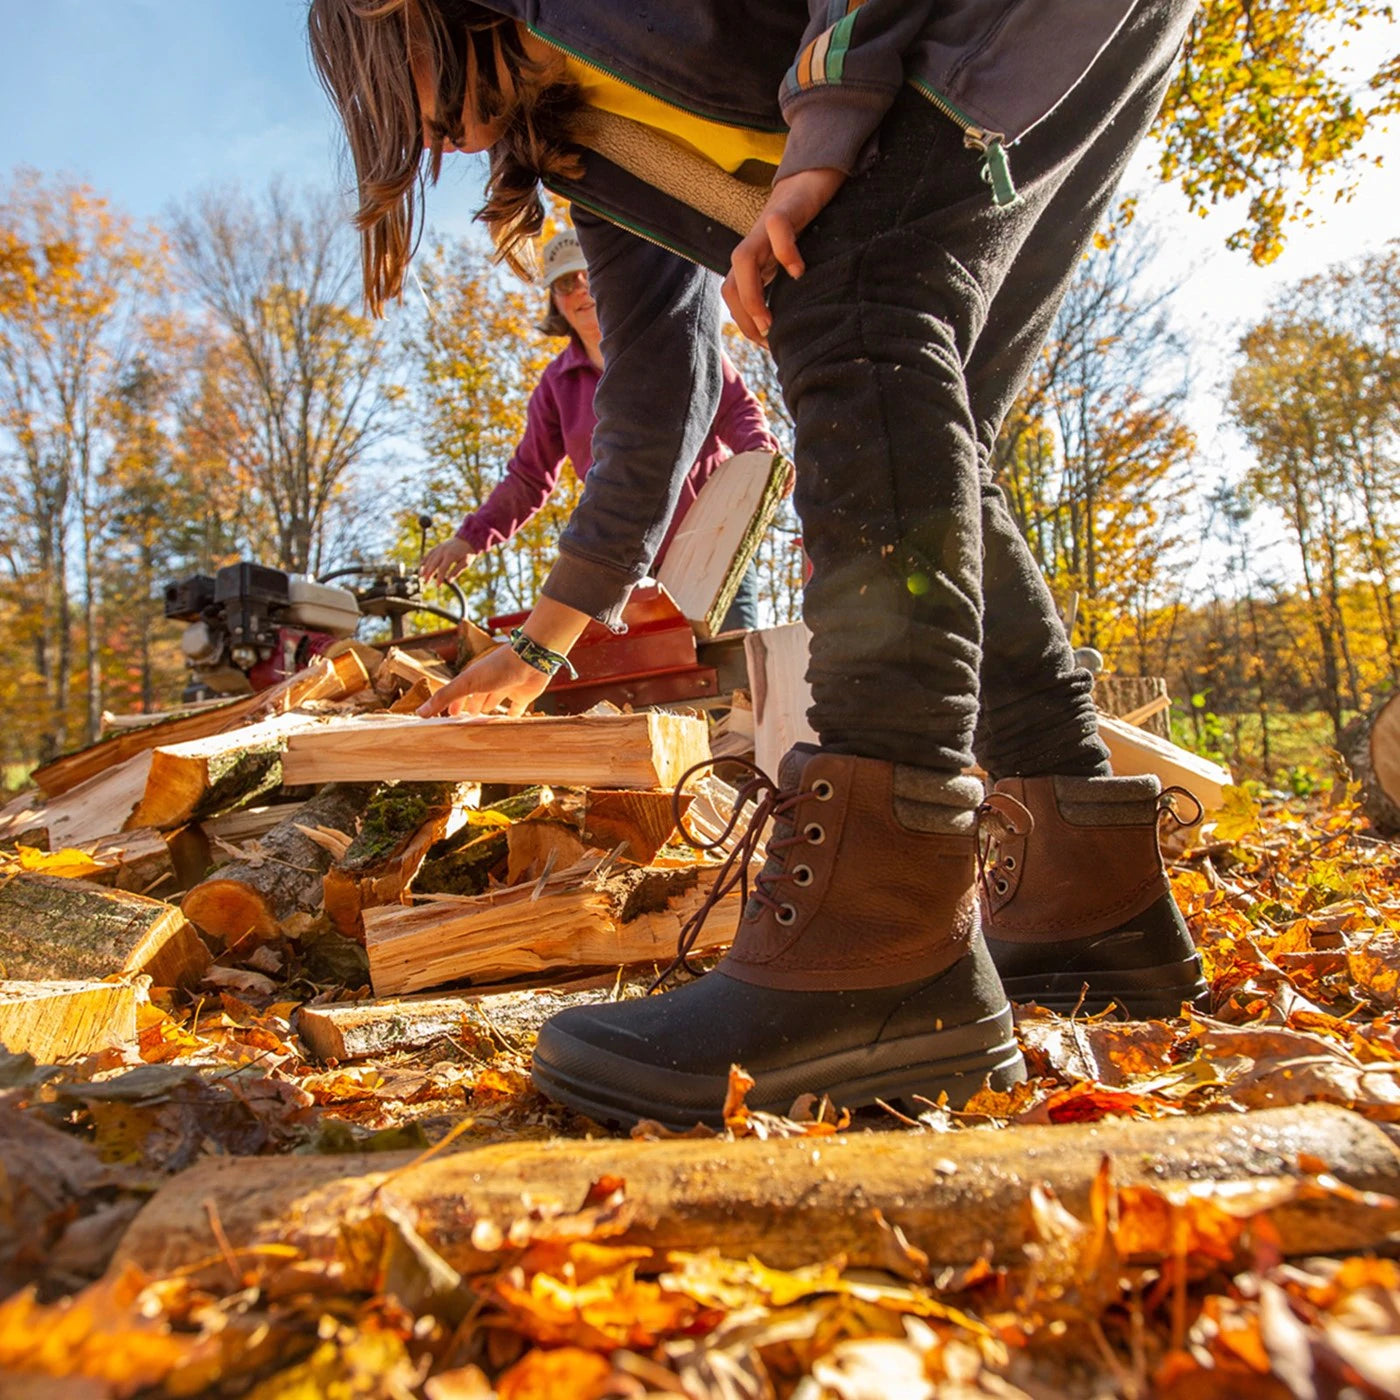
[1122, 695]
[1370, 744]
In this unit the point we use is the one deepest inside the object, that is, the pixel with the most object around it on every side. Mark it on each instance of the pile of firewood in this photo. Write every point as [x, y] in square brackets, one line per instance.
[456, 852]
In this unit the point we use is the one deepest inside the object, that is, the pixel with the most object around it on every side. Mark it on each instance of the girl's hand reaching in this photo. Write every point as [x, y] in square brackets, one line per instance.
[446, 560]
[497, 680]
[772, 242]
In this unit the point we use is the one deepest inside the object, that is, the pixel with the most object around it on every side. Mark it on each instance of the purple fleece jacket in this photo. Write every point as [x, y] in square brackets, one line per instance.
[559, 426]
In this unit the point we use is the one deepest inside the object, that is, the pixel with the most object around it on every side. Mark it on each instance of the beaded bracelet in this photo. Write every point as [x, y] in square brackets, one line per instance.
[544, 660]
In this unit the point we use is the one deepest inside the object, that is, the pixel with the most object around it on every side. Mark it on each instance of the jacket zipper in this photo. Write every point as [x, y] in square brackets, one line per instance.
[637, 87]
[996, 168]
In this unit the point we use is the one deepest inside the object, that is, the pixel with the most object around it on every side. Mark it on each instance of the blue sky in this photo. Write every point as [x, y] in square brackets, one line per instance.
[152, 100]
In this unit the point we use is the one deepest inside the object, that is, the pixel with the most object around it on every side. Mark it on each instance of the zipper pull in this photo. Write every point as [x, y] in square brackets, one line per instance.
[996, 171]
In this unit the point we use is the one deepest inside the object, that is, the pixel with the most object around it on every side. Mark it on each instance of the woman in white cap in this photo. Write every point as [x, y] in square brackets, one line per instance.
[560, 424]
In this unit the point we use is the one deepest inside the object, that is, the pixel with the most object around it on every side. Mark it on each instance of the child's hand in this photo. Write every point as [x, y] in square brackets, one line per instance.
[795, 201]
[497, 679]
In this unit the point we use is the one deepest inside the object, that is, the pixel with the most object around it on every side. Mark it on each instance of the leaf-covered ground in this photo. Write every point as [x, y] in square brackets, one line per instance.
[1297, 911]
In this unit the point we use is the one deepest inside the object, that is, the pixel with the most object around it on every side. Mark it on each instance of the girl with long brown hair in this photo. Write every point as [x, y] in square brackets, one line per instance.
[847, 168]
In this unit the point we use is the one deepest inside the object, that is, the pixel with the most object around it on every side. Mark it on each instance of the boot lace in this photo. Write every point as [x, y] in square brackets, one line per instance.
[1167, 805]
[770, 802]
[1000, 818]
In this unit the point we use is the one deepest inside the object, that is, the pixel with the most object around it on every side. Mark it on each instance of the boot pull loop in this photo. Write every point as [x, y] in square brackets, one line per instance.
[1000, 818]
[1167, 807]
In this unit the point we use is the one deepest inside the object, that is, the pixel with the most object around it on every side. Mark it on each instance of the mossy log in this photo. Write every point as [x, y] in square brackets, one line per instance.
[789, 1202]
[282, 877]
[400, 825]
[55, 928]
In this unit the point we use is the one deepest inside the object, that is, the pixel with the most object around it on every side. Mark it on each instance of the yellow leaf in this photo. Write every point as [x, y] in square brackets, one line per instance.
[68, 864]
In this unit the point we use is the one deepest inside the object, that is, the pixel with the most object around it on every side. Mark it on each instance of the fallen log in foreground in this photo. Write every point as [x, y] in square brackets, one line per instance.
[789, 1202]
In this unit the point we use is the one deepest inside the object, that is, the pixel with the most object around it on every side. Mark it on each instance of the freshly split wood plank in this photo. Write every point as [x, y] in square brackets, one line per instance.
[52, 1020]
[630, 916]
[708, 554]
[325, 679]
[1135, 751]
[247, 822]
[789, 1201]
[648, 750]
[55, 928]
[251, 898]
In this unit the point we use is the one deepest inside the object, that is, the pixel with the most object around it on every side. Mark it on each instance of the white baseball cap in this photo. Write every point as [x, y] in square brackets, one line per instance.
[562, 255]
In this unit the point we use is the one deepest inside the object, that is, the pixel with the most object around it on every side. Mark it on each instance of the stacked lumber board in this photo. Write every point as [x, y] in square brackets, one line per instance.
[455, 851]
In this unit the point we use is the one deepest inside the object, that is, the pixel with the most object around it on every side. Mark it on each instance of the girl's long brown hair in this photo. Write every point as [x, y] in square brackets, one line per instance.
[472, 61]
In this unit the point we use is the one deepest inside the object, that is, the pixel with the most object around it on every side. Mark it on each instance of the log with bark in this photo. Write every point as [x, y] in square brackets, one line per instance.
[325, 679]
[352, 1030]
[72, 929]
[788, 1202]
[587, 917]
[52, 1020]
[282, 876]
[649, 750]
[1371, 746]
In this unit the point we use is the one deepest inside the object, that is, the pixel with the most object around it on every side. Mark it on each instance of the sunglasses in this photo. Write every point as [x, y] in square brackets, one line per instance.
[570, 282]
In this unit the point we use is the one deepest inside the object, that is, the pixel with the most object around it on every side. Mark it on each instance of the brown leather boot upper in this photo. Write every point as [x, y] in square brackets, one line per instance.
[852, 898]
[1080, 868]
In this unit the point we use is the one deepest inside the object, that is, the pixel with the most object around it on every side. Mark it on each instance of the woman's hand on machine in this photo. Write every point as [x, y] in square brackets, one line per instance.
[445, 561]
[772, 243]
[498, 680]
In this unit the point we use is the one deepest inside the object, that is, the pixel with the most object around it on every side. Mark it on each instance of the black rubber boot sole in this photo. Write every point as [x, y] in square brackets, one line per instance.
[667, 1058]
[1145, 970]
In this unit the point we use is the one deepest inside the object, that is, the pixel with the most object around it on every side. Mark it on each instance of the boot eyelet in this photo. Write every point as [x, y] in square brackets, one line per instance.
[815, 833]
[802, 875]
[1001, 886]
[823, 790]
[786, 915]
[1008, 863]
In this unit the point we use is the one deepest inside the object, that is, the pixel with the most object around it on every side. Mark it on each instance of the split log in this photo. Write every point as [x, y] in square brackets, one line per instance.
[789, 1202]
[352, 1030]
[100, 806]
[133, 860]
[537, 849]
[643, 821]
[211, 775]
[709, 553]
[245, 823]
[23, 813]
[71, 929]
[579, 919]
[52, 1020]
[649, 750]
[1135, 751]
[1371, 746]
[777, 658]
[401, 824]
[416, 695]
[410, 667]
[325, 679]
[252, 897]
